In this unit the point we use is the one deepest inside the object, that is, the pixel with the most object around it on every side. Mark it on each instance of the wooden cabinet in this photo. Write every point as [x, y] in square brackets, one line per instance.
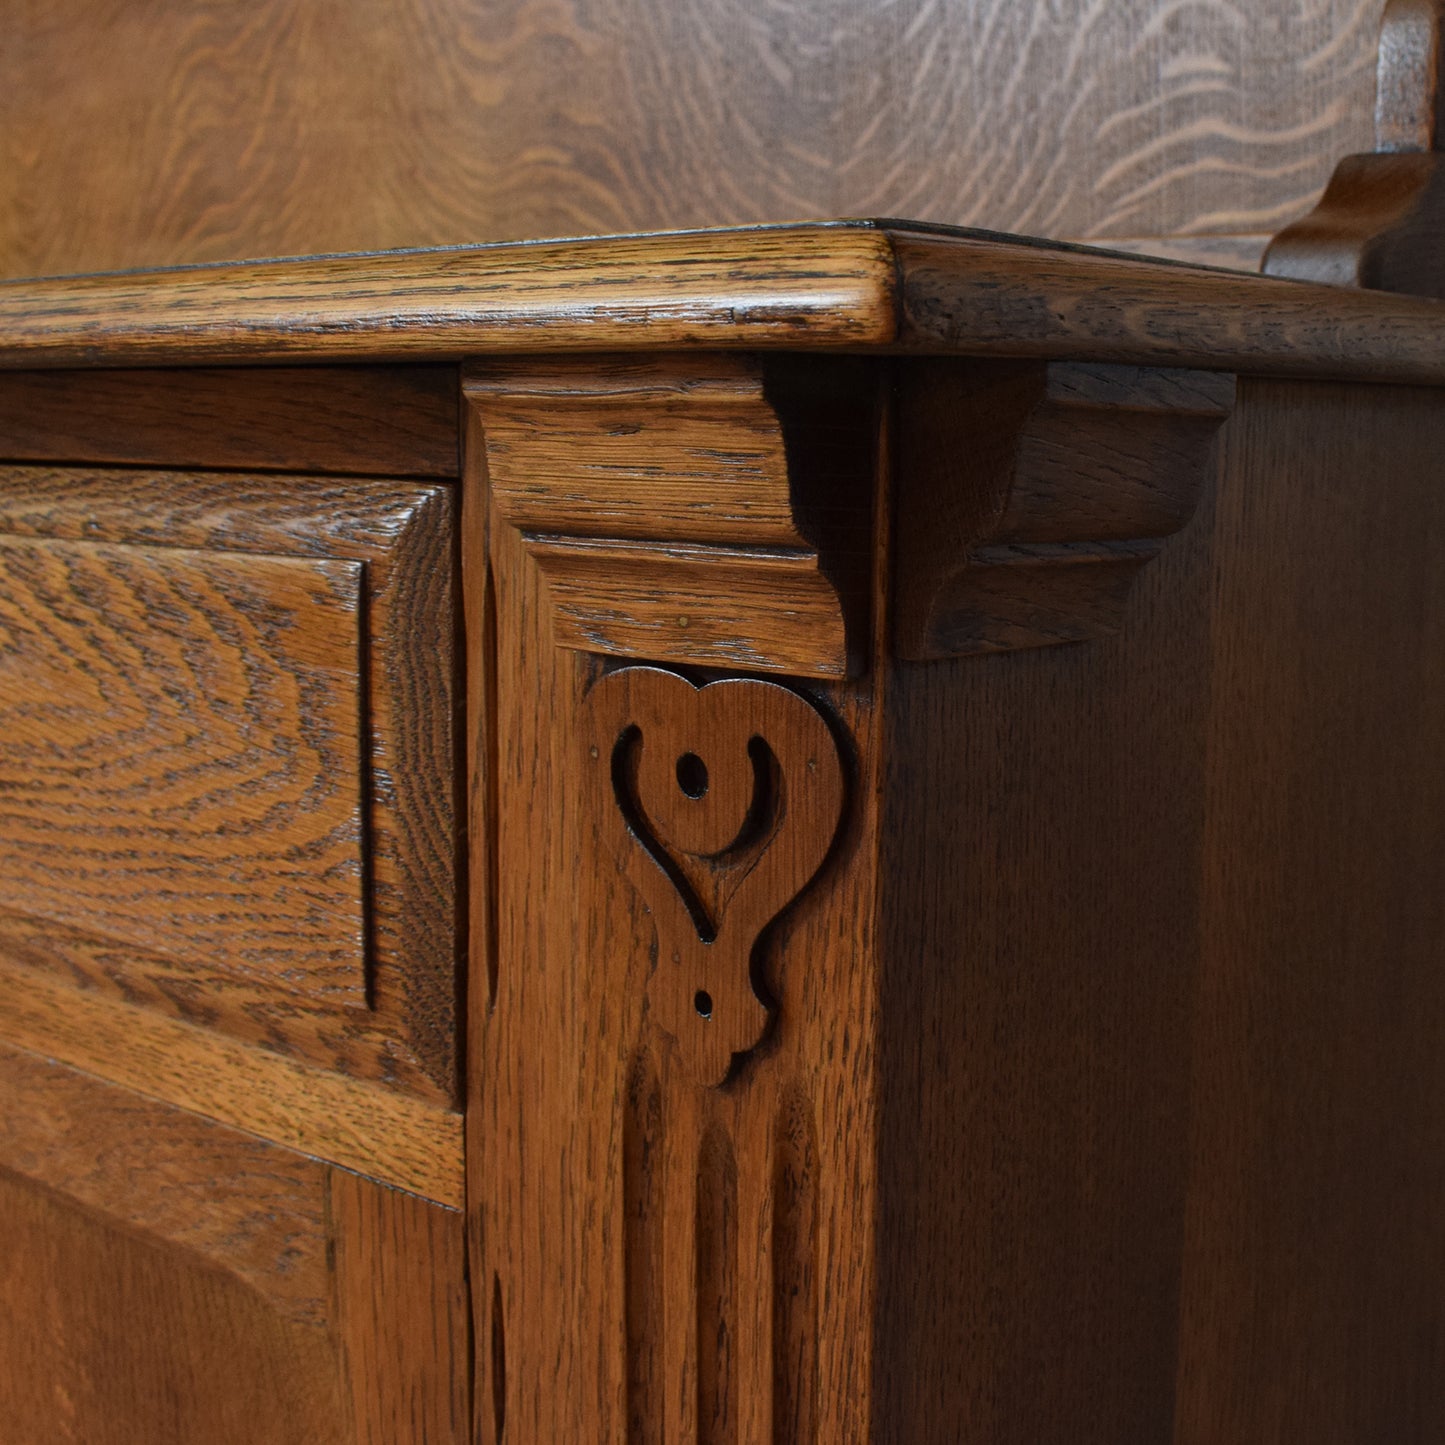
[817, 835]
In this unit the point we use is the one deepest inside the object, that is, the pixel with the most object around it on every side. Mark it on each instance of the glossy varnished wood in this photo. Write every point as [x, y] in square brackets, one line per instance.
[196, 709]
[864, 285]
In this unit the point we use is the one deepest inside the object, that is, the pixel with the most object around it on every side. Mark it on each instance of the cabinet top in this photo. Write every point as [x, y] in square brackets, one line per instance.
[860, 286]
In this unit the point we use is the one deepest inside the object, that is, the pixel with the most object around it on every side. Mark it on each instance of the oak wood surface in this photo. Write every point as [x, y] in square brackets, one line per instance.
[358, 421]
[227, 875]
[704, 507]
[119, 1340]
[144, 742]
[1035, 494]
[297, 733]
[139, 135]
[169, 1279]
[1314, 1244]
[236, 1201]
[858, 286]
[1092, 1026]
[1378, 223]
[687, 1240]
[1038, 951]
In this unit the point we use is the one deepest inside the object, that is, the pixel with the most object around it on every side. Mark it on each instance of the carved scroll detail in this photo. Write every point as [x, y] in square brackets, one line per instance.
[726, 799]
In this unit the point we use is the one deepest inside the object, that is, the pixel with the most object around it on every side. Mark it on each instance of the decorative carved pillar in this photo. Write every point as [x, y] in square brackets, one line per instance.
[684, 610]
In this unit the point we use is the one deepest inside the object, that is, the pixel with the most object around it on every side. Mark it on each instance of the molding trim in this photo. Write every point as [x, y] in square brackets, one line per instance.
[1032, 493]
[697, 509]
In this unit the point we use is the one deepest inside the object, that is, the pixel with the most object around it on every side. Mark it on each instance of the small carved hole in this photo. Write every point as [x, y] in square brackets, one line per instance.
[702, 1002]
[692, 775]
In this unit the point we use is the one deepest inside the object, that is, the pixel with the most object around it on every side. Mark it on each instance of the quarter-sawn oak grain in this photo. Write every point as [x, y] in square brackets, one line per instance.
[856, 286]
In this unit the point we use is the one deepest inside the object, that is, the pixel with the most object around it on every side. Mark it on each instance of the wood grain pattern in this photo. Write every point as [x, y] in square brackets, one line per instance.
[1378, 224]
[1314, 1244]
[850, 286]
[163, 710]
[359, 421]
[635, 1229]
[726, 798]
[139, 136]
[401, 1313]
[1035, 494]
[971, 295]
[238, 1202]
[386, 1010]
[1041, 842]
[180, 1280]
[376, 1129]
[707, 509]
[120, 1340]
[833, 285]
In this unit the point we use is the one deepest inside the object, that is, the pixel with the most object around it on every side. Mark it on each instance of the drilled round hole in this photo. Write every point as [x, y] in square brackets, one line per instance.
[702, 1002]
[692, 775]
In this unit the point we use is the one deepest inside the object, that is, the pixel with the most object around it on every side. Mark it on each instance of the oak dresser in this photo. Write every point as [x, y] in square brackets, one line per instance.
[816, 834]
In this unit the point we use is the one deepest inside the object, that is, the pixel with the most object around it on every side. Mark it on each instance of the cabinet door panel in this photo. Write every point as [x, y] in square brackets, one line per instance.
[227, 852]
[182, 1281]
[181, 766]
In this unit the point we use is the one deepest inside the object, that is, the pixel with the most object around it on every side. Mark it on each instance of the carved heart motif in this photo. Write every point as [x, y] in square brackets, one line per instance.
[728, 797]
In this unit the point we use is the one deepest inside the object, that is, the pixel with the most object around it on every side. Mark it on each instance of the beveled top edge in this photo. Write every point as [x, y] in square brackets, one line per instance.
[863, 286]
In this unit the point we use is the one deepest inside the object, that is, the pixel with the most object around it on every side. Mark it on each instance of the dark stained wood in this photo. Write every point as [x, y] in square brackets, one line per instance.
[971, 295]
[1380, 220]
[1315, 1243]
[358, 421]
[1037, 493]
[139, 136]
[1038, 954]
[862, 285]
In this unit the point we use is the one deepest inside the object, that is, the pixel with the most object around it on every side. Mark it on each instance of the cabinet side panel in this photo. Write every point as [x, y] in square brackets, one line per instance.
[1315, 1249]
[1041, 897]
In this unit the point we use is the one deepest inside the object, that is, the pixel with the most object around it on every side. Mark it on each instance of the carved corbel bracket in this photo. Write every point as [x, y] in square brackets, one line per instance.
[712, 510]
[1379, 223]
[1031, 494]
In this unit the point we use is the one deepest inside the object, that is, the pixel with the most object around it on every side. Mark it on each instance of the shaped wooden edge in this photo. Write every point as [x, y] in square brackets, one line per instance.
[709, 510]
[1380, 221]
[716, 511]
[1031, 494]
